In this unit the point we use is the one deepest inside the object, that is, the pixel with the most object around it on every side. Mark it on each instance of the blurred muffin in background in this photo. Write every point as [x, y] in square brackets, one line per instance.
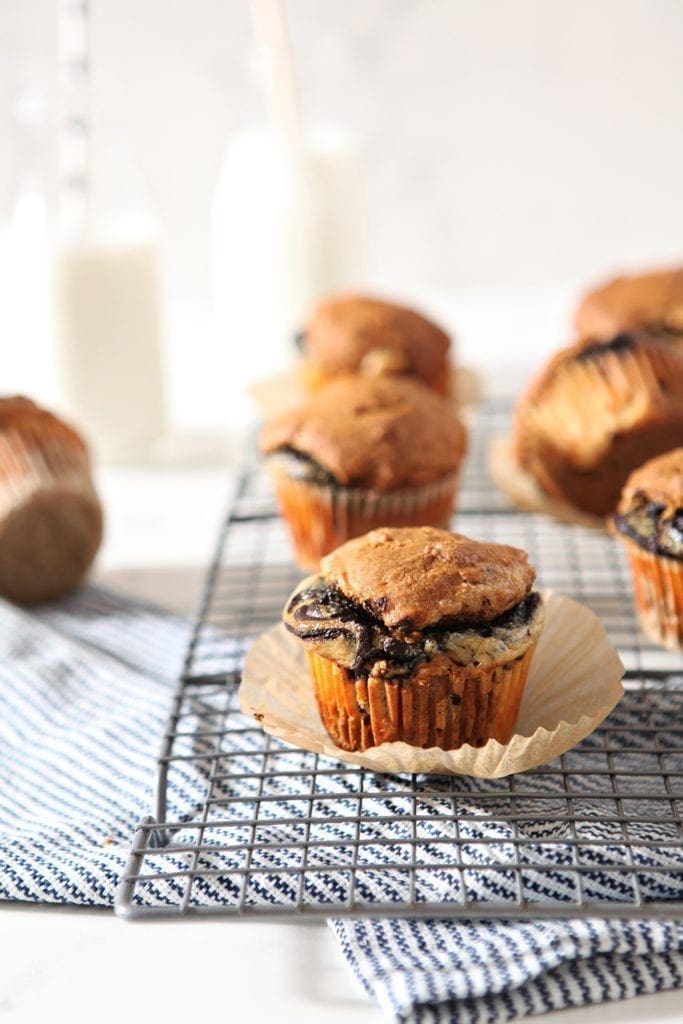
[596, 412]
[653, 300]
[50, 515]
[349, 334]
[649, 521]
[363, 452]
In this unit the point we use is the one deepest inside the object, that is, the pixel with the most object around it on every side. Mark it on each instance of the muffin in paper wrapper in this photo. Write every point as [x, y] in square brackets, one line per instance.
[658, 585]
[572, 685]
[50, 515]
[320, 517]
[610, 413]
[440, 705]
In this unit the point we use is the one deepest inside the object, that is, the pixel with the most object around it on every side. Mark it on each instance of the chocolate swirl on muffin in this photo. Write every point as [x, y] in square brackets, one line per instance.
[649, 522]
[357, 639]
[650, 511]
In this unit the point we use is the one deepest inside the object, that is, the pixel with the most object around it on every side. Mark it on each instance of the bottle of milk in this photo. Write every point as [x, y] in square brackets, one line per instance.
[289, 226]
[290, 218]
[107, 310]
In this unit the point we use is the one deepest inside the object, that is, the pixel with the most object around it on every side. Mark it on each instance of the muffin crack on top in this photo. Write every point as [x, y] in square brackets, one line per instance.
[427, 575]
[358, 333]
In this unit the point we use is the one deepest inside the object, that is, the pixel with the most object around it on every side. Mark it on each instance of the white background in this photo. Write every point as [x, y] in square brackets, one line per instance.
[510, 147]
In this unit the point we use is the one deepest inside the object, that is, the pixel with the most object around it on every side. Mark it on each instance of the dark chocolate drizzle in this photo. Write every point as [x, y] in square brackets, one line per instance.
[322, 603]
[303, 467]
[646, 524]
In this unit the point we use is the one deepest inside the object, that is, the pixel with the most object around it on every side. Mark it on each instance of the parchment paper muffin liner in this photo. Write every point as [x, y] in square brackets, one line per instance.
[440, 705]
[524, 491]
[658, 585]
[285, 390]
[50, 515]
[573, 684]
[320, 517]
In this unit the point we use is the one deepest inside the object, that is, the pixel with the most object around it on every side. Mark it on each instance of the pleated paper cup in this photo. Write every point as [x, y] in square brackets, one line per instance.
[572, 685]
[440, 705]
[658, 585]
[320, 517]
[50, 515]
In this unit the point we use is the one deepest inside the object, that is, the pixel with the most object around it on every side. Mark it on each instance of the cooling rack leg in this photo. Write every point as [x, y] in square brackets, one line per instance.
[146, 837]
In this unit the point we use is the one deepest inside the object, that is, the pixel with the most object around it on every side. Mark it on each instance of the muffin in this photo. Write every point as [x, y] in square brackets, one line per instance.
[50, 515]
[363, 452]
[349, 334]
[649, 520]
[418, 635]
[596, 412]
[653, 301]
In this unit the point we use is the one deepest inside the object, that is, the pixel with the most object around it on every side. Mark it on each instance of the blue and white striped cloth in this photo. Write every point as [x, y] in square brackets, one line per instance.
[85, 688]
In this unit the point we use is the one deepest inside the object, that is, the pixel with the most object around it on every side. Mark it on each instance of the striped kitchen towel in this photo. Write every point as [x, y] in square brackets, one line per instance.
[85, 686]
[85, 690]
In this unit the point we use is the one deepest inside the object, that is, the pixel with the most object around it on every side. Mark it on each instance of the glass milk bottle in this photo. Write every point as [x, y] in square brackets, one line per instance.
[289, 218]
[108, 312]
[289, 226]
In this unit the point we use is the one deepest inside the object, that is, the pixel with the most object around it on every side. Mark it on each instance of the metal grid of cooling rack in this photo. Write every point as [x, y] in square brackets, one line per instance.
[246, 825]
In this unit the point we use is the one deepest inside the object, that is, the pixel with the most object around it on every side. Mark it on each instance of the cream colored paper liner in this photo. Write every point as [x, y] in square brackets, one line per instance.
[282, 391]
[524, 492]
[573, 684]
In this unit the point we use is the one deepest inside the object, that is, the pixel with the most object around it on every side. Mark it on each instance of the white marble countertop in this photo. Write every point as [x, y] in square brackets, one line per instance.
[79, 965]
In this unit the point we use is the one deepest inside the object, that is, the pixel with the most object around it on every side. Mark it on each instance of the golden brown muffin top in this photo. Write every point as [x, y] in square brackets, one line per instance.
[659, 480]
[346, 330]
[654, 299]
[590, 391]
[420, 576]
[23, 416]
[378, 432]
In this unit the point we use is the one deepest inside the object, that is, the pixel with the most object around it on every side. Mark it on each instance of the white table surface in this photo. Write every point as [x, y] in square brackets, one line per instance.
[84, 965]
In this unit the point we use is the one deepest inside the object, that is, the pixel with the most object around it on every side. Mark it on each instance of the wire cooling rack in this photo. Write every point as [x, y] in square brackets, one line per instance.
[245, 825]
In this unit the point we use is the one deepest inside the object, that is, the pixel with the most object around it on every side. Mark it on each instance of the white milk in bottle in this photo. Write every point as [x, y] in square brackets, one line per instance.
[107, 308]
[108, 323]
[290, 224]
